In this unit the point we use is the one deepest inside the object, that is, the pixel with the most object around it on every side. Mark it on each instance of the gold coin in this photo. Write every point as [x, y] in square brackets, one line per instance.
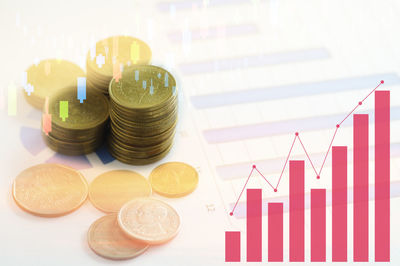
[50, 190]
[106, 239]
[149, 220]
[93, 112]
[109, 191]
[174, 179]
[110, 56]
[143, 88]
[50, 76]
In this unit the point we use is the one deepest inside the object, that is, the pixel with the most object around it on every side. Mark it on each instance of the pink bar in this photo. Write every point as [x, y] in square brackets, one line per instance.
[360, 206]
[254, 227]
[382, 176]
[232, 246]
[339, 203]
[318, 225]
[296, 210]
[275, 231]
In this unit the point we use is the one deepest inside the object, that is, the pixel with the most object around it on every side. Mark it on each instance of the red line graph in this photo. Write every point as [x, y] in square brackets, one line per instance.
[297, 137]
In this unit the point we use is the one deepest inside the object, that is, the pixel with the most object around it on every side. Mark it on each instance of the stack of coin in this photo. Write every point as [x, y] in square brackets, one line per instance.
[109, 56]
[80, 129]
[143, 114]
[48, 77]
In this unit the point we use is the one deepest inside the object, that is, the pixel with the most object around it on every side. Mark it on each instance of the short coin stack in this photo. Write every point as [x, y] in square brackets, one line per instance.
[80, 129]
[144, 110]
[109, 56]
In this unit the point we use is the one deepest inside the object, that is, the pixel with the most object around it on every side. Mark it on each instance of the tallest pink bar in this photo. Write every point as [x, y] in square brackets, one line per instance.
[382, 176]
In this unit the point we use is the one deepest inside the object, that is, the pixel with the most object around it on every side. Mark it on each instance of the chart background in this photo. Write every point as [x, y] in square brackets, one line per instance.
[209, 46]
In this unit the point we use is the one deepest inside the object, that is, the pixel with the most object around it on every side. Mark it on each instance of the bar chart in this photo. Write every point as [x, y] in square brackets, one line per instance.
[341, 182]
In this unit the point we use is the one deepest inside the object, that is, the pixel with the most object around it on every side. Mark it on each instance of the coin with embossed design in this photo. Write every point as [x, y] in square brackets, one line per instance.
[106, 239]
[110, 190]
[81, 127]
[149, 220]
[88, 114]
[50, 190]
[174, 179]
[143, 114]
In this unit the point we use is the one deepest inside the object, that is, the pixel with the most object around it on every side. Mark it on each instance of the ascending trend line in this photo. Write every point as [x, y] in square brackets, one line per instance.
[297, 137]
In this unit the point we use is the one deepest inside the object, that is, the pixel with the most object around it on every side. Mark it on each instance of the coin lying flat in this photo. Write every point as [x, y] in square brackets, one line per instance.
[149, 220]
[49, 77]
[50, 190]
[174, 179]
[106, 239]
[109, 191]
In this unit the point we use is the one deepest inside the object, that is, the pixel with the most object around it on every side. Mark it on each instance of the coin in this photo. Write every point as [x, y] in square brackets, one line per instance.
[174, 179]
[110, 190]
[143, 114]
[106, 239]
[134, 91]
[49, 77]
[94, 110]
[83, 130]
[114, 53]
[50, 190]
[149, 220]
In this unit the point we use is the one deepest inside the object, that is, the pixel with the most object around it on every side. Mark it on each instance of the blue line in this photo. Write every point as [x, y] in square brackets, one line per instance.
[253, 61]
[293, 90]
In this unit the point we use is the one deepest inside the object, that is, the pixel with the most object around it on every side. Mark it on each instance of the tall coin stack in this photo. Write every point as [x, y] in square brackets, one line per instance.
[144, 110]
[76, 128]
[109, 56]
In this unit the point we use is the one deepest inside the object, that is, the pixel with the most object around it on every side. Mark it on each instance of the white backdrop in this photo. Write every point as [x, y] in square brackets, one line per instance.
[212, 47]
